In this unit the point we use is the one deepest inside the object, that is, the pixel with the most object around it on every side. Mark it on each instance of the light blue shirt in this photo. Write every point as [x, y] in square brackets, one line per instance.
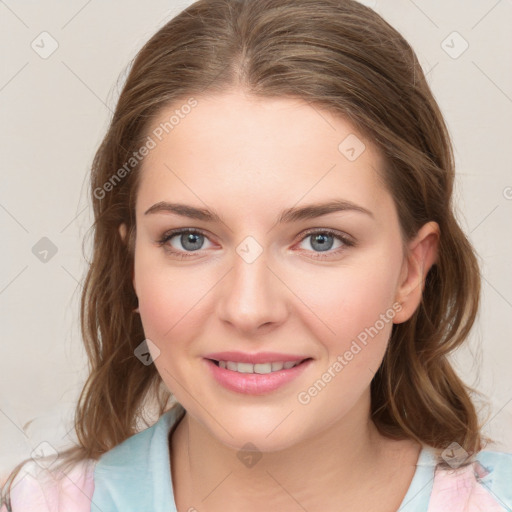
[135, 476]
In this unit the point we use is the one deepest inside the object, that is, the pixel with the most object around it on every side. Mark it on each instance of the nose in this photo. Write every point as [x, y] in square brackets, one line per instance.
[252, 298]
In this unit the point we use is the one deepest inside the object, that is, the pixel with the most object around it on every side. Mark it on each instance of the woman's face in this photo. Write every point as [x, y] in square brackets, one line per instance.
[267, 270]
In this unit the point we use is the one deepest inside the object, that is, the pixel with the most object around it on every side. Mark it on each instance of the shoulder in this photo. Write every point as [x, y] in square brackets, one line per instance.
[42, 489]
[484, 484]
[137, 450]
[141, 461]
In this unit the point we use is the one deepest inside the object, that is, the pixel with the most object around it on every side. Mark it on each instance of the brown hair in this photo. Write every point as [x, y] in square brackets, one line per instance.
[337, 55]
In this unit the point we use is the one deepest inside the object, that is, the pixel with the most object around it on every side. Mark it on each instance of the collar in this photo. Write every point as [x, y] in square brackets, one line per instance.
[136, 474]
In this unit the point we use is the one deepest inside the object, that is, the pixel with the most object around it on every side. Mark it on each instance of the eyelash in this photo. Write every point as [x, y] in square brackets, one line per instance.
[183, 255]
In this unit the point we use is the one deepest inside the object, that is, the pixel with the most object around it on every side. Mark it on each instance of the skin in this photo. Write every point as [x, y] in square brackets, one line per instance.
[249, 159]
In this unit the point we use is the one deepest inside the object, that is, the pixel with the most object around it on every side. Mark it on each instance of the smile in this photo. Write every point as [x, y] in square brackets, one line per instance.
[256, 378]
[260, 368]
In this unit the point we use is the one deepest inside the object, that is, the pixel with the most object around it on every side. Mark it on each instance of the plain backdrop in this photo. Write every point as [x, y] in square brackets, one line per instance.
[62, 67]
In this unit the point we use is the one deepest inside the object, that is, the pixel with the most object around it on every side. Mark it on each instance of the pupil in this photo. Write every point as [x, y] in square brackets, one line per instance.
[321, 240]
[191, 238]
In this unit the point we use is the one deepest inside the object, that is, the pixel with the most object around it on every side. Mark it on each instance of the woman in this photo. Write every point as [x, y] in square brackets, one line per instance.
[277, 264]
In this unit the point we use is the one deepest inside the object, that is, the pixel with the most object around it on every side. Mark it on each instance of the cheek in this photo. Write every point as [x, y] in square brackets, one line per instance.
[348, 301]
[358, 310]
[168, 298]
[169, 302]
[167, 307]
[353, 312]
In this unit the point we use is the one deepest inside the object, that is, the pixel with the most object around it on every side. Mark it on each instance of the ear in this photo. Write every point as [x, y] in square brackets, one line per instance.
[421, 254]
[122, 233]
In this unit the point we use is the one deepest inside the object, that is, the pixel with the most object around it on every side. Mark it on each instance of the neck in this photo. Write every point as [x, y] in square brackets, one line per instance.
[342, 460]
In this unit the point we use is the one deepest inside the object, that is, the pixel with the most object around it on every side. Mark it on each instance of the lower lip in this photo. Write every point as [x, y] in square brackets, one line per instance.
[255, 383]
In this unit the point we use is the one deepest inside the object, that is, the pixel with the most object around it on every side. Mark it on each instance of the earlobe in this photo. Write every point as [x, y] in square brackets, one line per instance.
[122, 231]
[422, 254]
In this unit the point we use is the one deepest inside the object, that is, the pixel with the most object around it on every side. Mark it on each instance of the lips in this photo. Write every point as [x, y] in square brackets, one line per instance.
[259, 380]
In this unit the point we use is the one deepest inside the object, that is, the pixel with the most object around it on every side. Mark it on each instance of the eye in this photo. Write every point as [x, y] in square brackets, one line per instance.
[190, 240]
[187, 241]
[322, 240]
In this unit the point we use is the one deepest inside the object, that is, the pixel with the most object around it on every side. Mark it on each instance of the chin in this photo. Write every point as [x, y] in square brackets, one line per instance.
[257, 443]
[263, 435]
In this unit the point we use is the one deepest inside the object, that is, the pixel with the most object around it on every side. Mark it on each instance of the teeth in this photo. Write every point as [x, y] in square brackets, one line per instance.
[257, 368]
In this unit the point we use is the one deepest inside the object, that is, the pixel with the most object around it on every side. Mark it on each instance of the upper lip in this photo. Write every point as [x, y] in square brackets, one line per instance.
[260, 357]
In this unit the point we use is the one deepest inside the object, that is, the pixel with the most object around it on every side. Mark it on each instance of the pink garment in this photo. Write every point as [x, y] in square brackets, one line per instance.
[459, 490]
[39, 490]
[453, 491]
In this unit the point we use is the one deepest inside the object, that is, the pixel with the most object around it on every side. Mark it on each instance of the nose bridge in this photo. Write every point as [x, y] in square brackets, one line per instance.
[252, 295]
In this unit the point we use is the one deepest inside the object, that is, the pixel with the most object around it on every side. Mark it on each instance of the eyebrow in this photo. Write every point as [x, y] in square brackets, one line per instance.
[311, 211]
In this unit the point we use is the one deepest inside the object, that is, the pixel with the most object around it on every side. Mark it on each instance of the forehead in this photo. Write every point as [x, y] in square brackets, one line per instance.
[236, 146]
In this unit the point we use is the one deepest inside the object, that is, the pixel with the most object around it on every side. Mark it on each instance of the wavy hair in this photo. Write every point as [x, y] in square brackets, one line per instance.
[337, 55]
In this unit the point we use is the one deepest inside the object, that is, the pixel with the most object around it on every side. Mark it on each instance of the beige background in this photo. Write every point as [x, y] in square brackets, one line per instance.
[55, 110]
